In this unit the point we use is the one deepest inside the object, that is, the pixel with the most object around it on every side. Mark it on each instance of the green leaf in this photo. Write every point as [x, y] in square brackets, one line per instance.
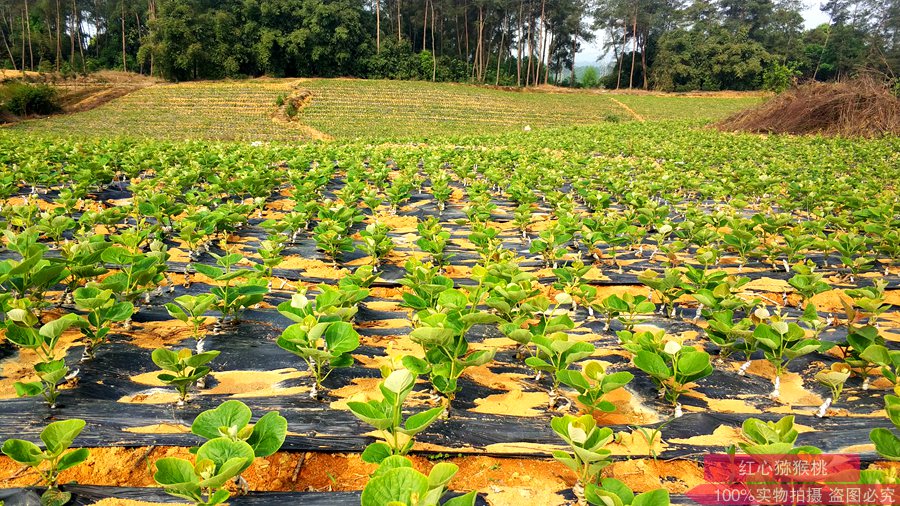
[28, 389]
[221, 450]
[58, 436]
[399, 484]
[268, 434]
[376, 452]
[23, 452]
[55, 497]
[420, 421]
[228, 470]
[173, 472]
[658, 497]
[441, 474]
[72, 459]
[618, 488]
[55, 328]
[886, 443]
[692, 363]
[463, 500]
[341, 338]
[165, 359]
[234, 414]
[652, 364]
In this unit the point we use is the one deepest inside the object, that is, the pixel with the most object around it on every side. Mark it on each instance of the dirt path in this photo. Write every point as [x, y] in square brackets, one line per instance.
[630, 111]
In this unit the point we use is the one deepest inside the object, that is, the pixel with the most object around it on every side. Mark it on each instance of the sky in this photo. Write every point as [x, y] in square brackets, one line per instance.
[591, 52]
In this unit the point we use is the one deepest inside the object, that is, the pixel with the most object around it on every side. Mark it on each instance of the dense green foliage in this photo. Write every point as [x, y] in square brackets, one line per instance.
[664, 44]
[24, 99]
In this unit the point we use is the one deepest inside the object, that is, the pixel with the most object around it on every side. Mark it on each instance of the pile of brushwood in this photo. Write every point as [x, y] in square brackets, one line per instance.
[862, 107]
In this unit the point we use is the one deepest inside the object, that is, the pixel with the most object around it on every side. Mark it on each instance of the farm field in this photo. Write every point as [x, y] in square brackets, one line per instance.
[588, 308]
[360, 109]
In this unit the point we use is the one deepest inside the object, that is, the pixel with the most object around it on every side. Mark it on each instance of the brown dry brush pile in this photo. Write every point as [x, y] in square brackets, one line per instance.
[853, 108]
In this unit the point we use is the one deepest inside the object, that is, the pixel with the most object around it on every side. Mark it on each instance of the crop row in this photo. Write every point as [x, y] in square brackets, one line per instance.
[594, 205]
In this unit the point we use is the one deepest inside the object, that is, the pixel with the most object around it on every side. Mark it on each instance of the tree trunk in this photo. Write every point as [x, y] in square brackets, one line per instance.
[80, 37]
[519, 42]
[633, 50]
[622, 53]
[574, 49]
[377, 26]
[12, 58]
[541, 41]
[433, 52]
[549, 55]
[152, 15]
[500, 49]
[72, 40]
[124, 55]
[644, 60]
[28, 25]
[425, 27]
[530, 45]
[466, 27]
[23, 42]
[399, 30]
[58, 37]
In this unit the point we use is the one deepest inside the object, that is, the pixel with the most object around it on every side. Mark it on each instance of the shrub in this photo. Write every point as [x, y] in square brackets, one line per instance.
[23, 99]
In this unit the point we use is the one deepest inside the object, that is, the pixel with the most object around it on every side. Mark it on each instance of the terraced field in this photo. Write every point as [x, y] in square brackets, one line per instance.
[349, 109]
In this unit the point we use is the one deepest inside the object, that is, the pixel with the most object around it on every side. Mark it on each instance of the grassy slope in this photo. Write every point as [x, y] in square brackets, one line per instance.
[346, 108]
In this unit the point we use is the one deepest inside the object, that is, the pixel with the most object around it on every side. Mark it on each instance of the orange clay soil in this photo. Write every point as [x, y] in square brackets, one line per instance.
[505, 481]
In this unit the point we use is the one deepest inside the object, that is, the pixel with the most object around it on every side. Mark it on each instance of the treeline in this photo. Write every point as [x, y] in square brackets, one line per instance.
[661, 44]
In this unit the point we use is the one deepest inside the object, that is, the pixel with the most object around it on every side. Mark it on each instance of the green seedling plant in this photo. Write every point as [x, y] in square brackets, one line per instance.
[833, 378]
[731, 335]
[386, 415]
[568, 279]
[103, 310]
[443, 341]
[424, 286]
[231, 295]
[522, 216]
[33, 275]
[807, 282]
[433, 240]
[231, 420]
[137, 272]
[853, 350]
[887, 444]
[772, 438]
[551, 245]
[440, 189]
[612, 492]
[781, 343]
[203, 481]
[190, 309]
[270, 250]
[668, 287]
[182, 369]
[487, 242]
[51, 371]
[53, 459]
[870, 300]
[672, 367]
[886, 359]
[851, 248]
[376, 242]
[593, 383]
[396, 483]
[555, 353]
[323, 341]
[626, 309]
[588, 443]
